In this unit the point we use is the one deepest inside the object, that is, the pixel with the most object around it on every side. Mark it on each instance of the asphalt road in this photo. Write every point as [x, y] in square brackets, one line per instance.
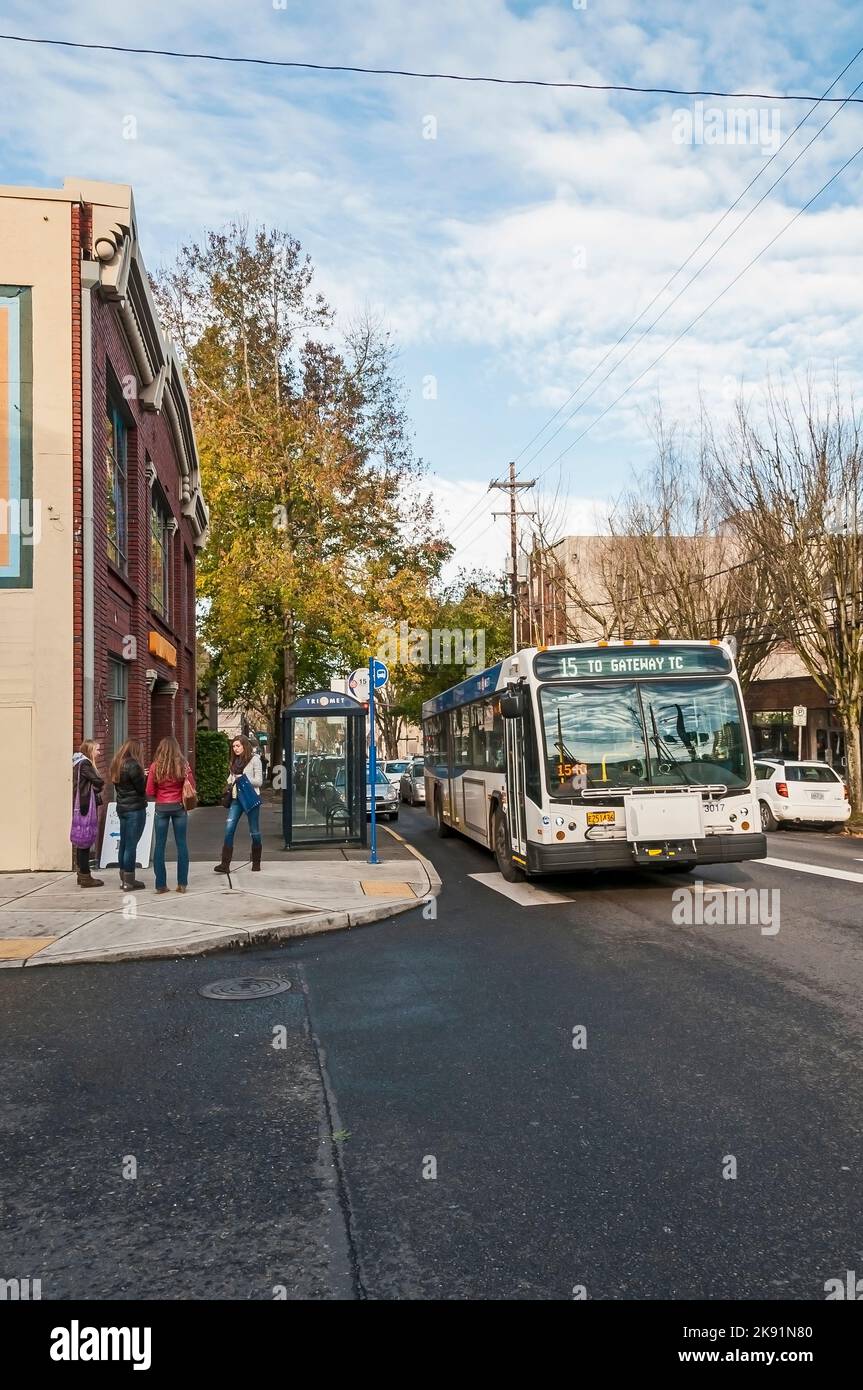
[416, 1047]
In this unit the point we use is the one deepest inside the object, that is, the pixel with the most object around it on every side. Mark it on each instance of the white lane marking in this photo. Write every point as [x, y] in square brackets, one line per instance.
[818, 869]
[526, 894]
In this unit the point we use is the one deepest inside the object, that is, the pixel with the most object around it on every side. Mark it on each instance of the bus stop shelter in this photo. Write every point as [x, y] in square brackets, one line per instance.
[324, 794]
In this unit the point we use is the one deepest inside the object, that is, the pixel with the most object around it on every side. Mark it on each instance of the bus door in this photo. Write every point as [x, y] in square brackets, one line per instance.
[515, 785]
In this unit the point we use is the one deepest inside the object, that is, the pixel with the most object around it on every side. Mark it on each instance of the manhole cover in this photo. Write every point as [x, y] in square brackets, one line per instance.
[244, 987]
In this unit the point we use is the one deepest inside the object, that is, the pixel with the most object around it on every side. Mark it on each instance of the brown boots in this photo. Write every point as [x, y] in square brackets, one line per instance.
[225, 865]
[227, 854]
[128, 882]
[88, 881]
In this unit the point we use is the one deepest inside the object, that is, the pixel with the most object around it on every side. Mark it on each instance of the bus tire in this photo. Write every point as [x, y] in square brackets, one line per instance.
[503, 851]
[443, 829]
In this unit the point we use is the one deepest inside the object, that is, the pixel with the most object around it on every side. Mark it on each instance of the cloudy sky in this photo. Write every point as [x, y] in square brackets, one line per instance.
[508, 236]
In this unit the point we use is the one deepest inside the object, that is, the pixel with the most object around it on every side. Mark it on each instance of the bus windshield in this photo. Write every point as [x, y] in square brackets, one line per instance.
[663, 733]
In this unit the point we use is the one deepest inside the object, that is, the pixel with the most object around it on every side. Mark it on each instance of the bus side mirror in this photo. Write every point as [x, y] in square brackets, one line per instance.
[512, 702]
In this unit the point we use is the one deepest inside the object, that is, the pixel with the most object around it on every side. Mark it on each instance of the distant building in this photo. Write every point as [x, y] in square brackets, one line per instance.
[102, 511]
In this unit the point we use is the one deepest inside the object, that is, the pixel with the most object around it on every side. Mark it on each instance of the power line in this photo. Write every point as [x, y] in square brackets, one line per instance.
[407, 72]
[466, 521]
[708, 307]
[682, 291]
[693, 253]
[699, 316]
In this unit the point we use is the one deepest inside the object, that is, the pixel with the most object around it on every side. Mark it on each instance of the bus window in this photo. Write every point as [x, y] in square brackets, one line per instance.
[593, 738]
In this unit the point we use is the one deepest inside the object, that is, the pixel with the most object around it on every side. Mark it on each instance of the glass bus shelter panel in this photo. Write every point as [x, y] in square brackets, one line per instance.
[323, 795]
[320, 776]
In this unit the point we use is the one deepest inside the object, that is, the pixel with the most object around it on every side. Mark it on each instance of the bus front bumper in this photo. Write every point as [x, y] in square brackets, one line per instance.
[620, 854]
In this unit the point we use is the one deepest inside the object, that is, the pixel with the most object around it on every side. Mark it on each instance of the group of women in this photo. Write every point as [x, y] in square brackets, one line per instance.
[170, 784]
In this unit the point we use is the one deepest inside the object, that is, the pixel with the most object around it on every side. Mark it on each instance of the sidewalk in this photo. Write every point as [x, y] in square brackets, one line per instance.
[46, 919]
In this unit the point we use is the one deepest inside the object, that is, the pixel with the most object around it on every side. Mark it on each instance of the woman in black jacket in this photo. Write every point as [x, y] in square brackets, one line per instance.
[86, 782]
[130, 792]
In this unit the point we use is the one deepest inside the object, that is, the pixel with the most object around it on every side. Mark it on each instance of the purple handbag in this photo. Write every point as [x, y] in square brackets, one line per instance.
[84, 823]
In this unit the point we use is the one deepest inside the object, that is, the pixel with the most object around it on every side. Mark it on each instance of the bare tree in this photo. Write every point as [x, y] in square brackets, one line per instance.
[673, 563]
[792, 482]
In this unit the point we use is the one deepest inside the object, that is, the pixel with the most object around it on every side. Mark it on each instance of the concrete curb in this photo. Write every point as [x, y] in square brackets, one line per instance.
[226, 940]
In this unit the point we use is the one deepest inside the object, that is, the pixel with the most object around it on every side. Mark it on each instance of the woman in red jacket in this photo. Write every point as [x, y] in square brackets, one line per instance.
[168, 772]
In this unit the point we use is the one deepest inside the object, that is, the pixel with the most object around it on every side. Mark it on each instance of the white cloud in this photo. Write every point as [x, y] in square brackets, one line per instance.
[536, 225]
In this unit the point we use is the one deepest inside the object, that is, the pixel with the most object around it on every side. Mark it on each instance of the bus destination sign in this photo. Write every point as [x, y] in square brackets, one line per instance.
[586, 663]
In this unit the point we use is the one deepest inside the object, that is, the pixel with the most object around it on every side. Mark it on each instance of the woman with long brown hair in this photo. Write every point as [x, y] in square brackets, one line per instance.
[169, 772]
[86, 799]
[242, 797]
[130, 793]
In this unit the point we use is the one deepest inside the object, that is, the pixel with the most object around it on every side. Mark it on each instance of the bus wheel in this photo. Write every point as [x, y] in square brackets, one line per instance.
[503, 852]
[442, 828]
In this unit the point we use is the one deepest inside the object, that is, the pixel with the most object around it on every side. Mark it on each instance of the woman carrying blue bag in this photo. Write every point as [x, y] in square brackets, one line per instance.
[242, 797]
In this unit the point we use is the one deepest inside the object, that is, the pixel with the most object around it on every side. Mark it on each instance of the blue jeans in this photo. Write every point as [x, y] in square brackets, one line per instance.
[131, 829]
[179, 820]
[234, 813]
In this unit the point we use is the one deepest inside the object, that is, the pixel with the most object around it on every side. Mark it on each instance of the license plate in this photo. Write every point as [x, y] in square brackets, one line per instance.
[817, 796]
[600, 818]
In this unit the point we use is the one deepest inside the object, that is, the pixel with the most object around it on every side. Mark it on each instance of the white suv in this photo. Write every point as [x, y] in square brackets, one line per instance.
[801, 792]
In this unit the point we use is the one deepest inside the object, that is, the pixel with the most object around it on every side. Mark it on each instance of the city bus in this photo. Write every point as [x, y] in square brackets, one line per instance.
[603, 755]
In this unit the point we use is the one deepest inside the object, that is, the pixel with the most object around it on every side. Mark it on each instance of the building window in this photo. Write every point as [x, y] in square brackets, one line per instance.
[773, 733]
[116, 459]
[160, 554]
[118, 708]
[189, 606]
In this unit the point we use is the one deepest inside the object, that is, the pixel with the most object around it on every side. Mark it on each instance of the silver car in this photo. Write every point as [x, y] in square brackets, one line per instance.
[386, 795]
[412, 787]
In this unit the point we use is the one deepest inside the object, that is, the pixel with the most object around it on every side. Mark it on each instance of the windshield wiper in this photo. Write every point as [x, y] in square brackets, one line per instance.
[662, 745]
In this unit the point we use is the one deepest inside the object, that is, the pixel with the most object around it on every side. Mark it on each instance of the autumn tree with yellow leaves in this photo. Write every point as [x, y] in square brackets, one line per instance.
[318, 526]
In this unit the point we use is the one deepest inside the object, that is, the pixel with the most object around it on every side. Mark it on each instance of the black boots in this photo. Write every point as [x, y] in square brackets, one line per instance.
[256, 859]
[128, 882]
[225, 865]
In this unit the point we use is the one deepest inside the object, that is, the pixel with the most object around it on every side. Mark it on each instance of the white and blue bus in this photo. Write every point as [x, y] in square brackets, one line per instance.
[605, 755]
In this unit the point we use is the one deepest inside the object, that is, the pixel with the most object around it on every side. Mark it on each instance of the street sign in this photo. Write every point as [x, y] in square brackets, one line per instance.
[358, 684]
[799, 716]
[381, 673]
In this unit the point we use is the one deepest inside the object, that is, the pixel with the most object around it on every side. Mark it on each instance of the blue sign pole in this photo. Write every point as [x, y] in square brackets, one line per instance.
[373, 765]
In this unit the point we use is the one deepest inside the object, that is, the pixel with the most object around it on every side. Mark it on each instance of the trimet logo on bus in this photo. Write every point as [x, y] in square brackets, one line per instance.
[718, 906]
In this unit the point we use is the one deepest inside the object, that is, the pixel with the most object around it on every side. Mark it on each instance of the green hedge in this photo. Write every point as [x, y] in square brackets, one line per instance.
[211, 765]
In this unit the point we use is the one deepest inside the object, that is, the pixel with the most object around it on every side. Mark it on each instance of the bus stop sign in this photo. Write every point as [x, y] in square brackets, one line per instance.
[380, 673]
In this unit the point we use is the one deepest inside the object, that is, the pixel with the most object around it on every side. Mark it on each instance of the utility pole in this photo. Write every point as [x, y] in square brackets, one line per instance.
[512, 487]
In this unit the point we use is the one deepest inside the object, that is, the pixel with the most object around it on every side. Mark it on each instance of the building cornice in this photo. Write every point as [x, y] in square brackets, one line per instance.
[123, 282]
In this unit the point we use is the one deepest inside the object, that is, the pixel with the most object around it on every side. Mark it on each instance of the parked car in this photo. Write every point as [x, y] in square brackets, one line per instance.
[801, 793]
[386, 795]
[412, 787]
[393, 770]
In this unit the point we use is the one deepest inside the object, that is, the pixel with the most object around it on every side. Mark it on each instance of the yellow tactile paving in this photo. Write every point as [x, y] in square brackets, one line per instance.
[20, 947]
[385, 888]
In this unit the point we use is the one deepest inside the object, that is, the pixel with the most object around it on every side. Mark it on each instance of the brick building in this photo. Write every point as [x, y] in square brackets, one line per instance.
[102, 507]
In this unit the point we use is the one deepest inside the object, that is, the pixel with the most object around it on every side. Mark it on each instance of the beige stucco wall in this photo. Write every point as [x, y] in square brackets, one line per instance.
[781, 664]
[36, 680]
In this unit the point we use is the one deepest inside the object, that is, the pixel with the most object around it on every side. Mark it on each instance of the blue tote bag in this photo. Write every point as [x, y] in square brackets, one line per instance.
[247, 795]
